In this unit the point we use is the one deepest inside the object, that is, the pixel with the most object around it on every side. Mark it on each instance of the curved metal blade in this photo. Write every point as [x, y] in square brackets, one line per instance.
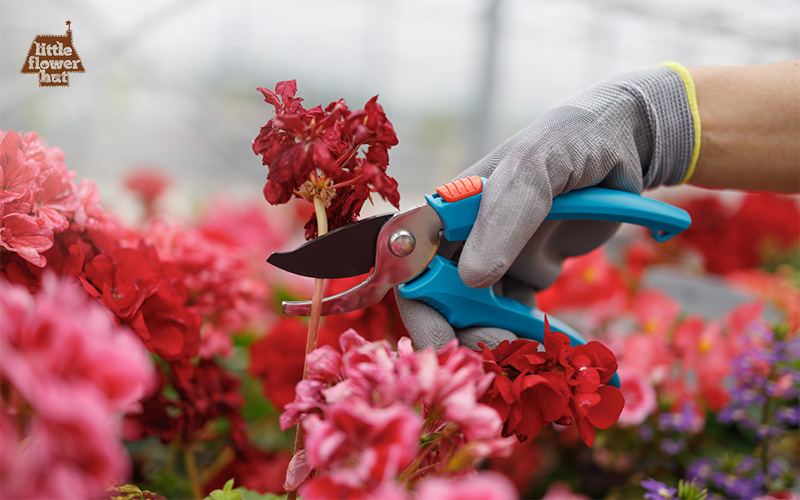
[342, 253]
[390, 269]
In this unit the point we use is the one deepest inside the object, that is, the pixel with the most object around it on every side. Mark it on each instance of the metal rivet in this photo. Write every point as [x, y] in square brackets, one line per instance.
[402, 243]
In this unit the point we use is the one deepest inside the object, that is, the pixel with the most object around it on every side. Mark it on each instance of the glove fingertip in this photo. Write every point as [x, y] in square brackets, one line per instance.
[477, 271]
[426, 327]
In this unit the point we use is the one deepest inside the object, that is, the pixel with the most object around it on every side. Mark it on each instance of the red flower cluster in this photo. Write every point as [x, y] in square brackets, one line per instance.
[562, 385]
[148, 296]
[732, 240]
[315, 152]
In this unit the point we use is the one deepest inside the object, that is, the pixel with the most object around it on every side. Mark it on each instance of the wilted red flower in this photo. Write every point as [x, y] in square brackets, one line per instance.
[319, 152]
[564, 384]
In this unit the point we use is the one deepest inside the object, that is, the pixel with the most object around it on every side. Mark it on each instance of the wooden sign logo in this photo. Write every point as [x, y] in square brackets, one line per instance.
[53, 57]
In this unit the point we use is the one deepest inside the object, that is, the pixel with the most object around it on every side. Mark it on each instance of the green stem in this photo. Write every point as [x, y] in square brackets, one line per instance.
[413, 467]
[223, 459]
[172, 457]
[191, 472]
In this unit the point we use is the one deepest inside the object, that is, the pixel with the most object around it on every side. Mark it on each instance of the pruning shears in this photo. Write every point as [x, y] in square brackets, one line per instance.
[408, 250]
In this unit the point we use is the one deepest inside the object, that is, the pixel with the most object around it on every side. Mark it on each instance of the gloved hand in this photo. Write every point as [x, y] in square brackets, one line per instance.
[632, 132]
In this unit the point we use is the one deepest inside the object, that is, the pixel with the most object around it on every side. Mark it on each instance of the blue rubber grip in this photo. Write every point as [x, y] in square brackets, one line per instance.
[594, 203]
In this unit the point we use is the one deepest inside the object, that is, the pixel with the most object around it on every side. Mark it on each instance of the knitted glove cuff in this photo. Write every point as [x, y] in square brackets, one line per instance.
[674, 125]
[652, 112]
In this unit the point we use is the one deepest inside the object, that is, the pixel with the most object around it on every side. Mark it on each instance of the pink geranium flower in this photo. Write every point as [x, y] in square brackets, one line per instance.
[359, 445]
[655, 312]
[67, 373]
[640, 397]
[485, 485]
[38, 196]
[704, 351]
[376, 417]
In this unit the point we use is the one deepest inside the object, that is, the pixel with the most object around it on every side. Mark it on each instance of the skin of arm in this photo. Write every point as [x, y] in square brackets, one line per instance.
[750, 127]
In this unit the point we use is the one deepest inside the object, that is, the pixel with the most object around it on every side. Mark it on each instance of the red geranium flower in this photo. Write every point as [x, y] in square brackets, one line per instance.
[147, 295]
[563, 384]
[316, 153]
[737, 239]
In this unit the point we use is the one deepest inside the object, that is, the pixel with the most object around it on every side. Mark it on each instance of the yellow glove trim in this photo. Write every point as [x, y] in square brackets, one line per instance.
[692, 95]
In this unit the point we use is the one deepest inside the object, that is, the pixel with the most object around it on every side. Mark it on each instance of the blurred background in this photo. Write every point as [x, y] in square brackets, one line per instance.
[172, 84]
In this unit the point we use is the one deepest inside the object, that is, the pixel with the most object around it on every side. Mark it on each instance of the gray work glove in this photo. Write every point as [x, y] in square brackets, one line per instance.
[630, 133]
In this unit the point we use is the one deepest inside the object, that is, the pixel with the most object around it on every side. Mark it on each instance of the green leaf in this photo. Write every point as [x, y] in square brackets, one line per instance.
[226, 493]
[690, 491]
[254, 495]
[132, 492]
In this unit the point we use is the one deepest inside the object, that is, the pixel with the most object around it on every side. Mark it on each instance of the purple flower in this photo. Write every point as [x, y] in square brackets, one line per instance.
[700, 470]
[683, 421]
[788, 415]
[744, 487]
[672, 447]
[775, 468]
[656, 490]
[645, 432]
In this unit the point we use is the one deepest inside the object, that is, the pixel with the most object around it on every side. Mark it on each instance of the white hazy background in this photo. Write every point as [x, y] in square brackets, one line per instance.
[173, 83]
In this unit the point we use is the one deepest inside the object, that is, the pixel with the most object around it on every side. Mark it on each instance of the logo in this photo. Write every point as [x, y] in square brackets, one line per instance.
[53, 57]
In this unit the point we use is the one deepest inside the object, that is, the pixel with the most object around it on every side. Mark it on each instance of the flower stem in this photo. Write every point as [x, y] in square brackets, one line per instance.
[313, 322]
[191, 471]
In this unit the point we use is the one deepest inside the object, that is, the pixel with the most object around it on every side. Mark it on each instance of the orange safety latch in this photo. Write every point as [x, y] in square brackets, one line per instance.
[460, 188]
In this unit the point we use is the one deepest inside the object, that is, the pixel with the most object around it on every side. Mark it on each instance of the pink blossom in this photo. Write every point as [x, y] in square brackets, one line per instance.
[325, 364]
[358, 444]
[226, 290]
[308, 397]
[655, 312]
[485, 485]
[705, 352]
[647, 356]
[360, 411]
[38, 196]
[452, 382]
[562, 491]
[326, 488]
[68, 373]
[640, 397]
[26, 236]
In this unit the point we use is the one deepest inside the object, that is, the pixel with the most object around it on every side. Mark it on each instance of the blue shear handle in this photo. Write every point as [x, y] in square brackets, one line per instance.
[441, 288]
[594, 203]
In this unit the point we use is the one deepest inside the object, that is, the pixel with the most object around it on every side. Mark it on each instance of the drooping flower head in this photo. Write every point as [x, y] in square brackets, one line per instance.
[332, 153]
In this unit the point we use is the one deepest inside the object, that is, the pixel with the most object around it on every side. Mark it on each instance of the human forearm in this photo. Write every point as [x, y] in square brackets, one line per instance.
[750, 127]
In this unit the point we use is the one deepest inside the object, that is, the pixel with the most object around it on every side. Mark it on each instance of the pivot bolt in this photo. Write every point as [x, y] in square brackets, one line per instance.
[402, 243]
